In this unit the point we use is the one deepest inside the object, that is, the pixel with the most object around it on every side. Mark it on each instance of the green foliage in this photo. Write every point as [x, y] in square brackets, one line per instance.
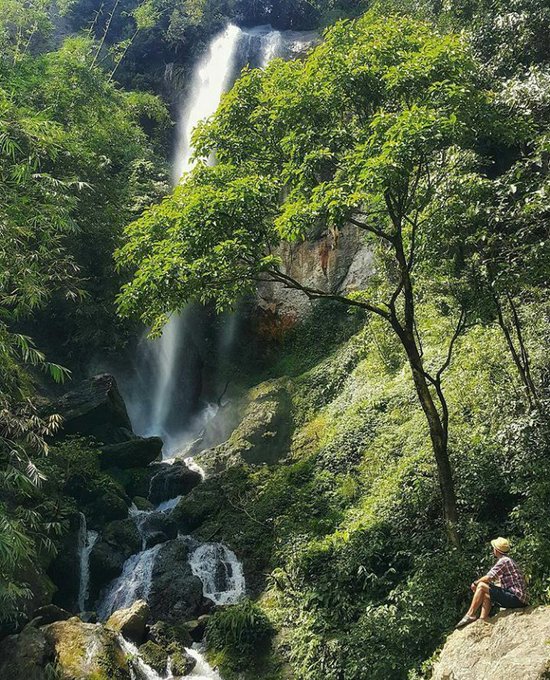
[241, 631]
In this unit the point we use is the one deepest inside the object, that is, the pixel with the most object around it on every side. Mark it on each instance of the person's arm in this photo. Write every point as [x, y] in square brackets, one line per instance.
[491, 575]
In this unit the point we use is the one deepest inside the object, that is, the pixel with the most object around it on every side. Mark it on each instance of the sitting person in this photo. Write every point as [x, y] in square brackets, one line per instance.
[511, 592]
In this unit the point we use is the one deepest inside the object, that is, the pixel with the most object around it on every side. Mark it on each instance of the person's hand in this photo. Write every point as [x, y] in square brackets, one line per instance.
[473, 586]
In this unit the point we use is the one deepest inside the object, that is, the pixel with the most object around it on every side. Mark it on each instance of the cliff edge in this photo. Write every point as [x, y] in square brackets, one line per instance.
[515, 645]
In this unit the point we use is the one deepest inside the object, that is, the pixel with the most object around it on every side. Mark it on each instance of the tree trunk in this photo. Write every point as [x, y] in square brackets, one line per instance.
[438, 436]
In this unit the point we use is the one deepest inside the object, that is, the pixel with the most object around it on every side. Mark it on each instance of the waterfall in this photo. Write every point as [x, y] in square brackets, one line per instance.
[86, 541]
[202, 670]
[164, 390]
[220, 571]
[133, 584]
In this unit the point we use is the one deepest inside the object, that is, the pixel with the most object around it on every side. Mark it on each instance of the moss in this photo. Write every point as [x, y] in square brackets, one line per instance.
[154, 656]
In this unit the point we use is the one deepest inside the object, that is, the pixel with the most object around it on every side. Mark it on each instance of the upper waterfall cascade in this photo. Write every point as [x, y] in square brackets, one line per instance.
[164, 391]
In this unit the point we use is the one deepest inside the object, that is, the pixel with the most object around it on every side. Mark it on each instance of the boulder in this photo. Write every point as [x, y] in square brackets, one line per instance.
[137, 452]
[201, 504]
[182, 663]
[142, 503]
[50, 613]
[25, 656]
[87, 650]
[156, 527]
[176, 594]
[131, 622]
[197, 628]
[171, 481]
[119, 540]
[134, 481]
[95, 408]
[263, 435]
[154, 656]
[106, 508]
[513, 644]
[165, 634]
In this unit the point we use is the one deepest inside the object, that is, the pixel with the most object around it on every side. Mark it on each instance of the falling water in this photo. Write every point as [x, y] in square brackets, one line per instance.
[164, 390]
[220, 571]
[133, 584]
[86, 541]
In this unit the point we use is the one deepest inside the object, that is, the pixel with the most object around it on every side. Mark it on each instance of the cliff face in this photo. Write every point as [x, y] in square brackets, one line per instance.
[514, 645]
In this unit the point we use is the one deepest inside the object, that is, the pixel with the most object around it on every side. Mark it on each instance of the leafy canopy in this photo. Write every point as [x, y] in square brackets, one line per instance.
[303, 145]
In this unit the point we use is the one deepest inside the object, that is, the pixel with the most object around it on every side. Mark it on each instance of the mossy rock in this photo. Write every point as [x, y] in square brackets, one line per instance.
[86, 651]
[204, 502]
[155, 656]
[142, 503]
[263, 434]
[166, 634]
[182, 663]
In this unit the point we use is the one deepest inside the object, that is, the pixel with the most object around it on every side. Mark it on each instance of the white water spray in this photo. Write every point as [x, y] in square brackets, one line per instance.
[133, 584]
[86, 541]
[220, 571]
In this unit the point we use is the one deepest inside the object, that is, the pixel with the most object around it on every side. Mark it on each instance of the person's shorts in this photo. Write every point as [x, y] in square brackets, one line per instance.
[504, 598]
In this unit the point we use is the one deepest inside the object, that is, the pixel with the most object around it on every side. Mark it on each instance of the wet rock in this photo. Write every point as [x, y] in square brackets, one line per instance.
[88, 617]
[106, 508]
[168, 635]
[182, 662]
[513, 644]
[131, 622]
[137, 452]
[50, 613]
[157, 527]
[86, 650]
[197, 628]
[142, 503]
[42, 591]
[119, 540]
[176, 594]
[24, 656]
[135, 481]
[201, 504]
[262, 436]
[154, 656]
[94, 407]
[171, 481]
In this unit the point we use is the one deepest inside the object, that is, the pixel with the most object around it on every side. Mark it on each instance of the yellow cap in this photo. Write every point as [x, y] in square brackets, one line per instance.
[501, 544]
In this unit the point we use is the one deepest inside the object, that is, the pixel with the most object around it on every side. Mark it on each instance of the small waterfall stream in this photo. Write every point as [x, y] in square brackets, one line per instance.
[86, 541]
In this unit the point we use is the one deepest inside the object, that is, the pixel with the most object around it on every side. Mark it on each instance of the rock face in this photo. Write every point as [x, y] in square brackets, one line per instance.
[514, 644]
[332, 262]
[262, 436]
[156, 527]
[87, 650]
[24, 656]
[137, 452]
[120, 539]
[95, 407]
[130, 622]
[176, 594]
[171, 481]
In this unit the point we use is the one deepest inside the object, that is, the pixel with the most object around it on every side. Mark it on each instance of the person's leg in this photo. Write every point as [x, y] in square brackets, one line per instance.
[478, 599]
[486, 607]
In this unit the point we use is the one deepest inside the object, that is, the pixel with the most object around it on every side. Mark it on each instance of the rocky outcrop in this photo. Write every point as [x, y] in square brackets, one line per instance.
[156, 527]
[86, 650]
[332, 262]
[131, 622]
[513, 644]
[25, 656]
[119, 540]
[171, 481]
[94, 407]
[136, 452]
[263, 434]
[176, 594]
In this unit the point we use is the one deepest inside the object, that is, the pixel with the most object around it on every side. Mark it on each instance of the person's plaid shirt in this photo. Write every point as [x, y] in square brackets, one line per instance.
[507, 572]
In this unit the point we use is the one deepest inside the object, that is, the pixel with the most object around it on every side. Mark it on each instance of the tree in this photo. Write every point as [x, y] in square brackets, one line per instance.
[360, 132]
